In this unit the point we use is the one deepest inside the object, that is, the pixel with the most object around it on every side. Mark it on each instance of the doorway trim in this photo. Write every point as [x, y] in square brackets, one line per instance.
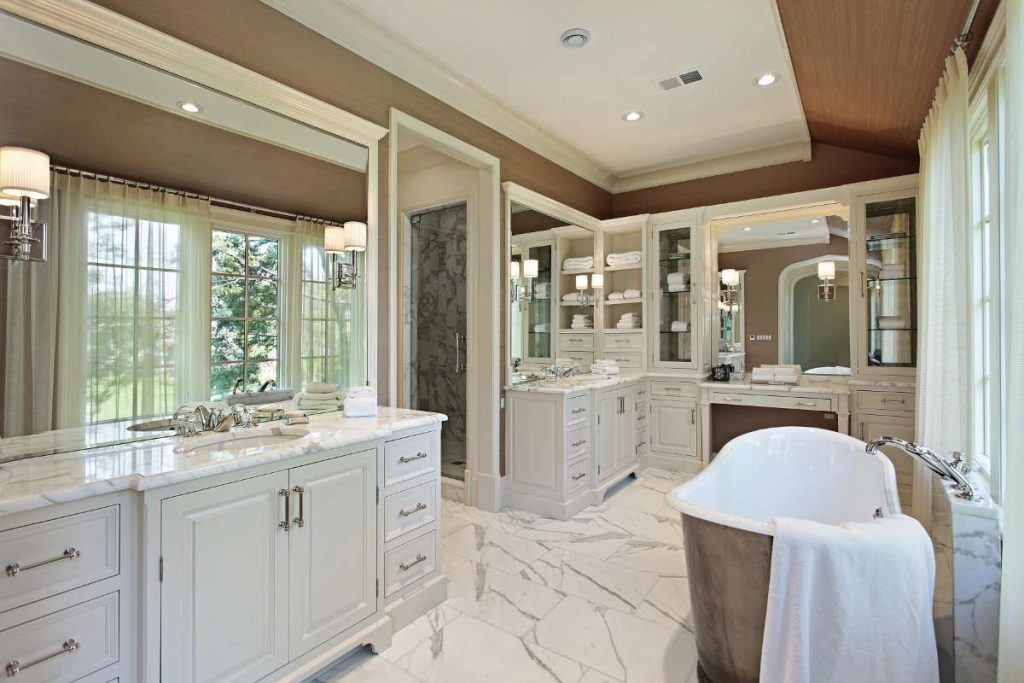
[788, 278]
[483, 235]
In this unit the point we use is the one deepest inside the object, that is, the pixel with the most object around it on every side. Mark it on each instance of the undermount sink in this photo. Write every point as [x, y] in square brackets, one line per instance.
[243, 439]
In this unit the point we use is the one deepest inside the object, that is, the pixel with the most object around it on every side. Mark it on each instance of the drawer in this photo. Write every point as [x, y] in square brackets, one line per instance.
[577, 443]
[410, 510]
[576, 476]
[584, 358]
[642, 411]
[408, 562]
[54, 556]
[577, 411]
[409, 458]
[625, 359]
[63, 646]
[624, 342]
[772, 401]
[568, 341]
[673, 388]
[885, 400]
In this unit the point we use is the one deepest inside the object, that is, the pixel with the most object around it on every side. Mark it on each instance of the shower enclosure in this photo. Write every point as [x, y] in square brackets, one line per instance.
[436, 320]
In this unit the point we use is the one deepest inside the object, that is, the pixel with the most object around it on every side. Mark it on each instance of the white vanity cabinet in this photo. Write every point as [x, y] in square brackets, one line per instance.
[674, 426]
[259, 571]
[617, 442]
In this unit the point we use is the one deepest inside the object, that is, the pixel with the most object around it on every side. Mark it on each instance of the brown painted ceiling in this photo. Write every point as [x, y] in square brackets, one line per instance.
[867, 69]
[93, 130]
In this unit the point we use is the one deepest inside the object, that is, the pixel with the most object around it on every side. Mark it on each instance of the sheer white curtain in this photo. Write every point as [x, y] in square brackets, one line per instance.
[943, 389]
[132, 318]
[306, 244]
[1011, 631]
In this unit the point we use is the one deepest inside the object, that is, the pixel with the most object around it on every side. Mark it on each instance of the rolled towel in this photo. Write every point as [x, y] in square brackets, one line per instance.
[571, 296]
[360, 407]
[631, 294]
[319, 388]
[679, 288]
[578, 263]
[762, 375]
[678, 278]
[680, 326]
[623, 258]
[615, 296]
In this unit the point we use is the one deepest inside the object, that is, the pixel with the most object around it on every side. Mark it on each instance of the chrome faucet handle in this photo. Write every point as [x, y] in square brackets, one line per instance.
[960, 462]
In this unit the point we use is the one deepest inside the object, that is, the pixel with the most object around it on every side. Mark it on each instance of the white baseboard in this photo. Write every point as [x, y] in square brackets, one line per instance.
[487, 492]
[672, 463]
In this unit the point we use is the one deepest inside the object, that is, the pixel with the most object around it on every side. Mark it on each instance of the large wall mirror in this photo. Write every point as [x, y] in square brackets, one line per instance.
[550, 291]
[784, 289]
[185, 254]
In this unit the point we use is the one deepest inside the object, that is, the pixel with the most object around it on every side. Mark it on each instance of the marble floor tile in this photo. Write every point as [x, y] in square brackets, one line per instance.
[429, 627]
[650, 556]
[364, 667]
[510, 602]
[644, 525]
[667, 604]
[494, 548]
[593, 579]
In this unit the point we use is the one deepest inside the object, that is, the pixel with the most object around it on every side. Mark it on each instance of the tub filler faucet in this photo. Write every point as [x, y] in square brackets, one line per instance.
[954, 470]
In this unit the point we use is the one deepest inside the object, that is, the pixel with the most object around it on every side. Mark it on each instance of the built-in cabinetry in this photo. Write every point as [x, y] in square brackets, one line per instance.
[674, 425]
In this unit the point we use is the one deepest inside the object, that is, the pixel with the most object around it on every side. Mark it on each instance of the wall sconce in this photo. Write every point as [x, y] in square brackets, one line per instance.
[827, 274]
[731, 280]
[341, 240]
[513, 277]
[531, 270]
[589, 297]
[24, 179]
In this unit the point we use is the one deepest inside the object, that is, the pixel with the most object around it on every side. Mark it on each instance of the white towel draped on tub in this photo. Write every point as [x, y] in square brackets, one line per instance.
[850, 603]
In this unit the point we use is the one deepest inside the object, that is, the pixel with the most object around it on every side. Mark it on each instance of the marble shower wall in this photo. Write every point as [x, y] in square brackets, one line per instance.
[438, 313]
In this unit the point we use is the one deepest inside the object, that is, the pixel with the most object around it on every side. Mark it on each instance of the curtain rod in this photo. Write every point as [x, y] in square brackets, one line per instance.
[214, 201]
[963, 39]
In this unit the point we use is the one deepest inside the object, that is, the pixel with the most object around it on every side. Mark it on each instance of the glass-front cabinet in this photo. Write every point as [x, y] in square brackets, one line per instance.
[887, 239]
[675, 287]
[539, 334]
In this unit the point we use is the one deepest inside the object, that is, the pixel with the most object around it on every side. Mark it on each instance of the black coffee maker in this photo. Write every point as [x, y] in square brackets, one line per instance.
[721, 373]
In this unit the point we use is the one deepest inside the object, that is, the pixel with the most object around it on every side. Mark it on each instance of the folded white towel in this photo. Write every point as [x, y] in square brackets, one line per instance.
[632, 315]
[578, 263]
[571, 296]
[615, 296]
[679, 288]
[362, 392]
[319, 388]
[680, 326]
[360, 407]
[678, 278]
[762, 375]
[893, 322]
[631, 294]
[611, 362]
[627, 326]
[334, 396]
[542, 327]
[623, 258]
[831, 589]
[581, 326]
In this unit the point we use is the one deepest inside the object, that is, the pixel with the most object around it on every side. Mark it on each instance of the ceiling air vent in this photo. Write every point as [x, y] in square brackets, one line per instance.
[676, 80]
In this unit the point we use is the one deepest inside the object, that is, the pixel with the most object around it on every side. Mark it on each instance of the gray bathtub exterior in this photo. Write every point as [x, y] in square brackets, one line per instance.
[728, 571]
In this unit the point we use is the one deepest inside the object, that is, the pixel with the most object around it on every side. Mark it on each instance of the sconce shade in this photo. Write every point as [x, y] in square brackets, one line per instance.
[513, 270]
[827, 270]
[355, 236]
[334, 239]
[531, 268]
[730, 277]
[9, 200]
[24, 173]
[581, 282]
[597, 281]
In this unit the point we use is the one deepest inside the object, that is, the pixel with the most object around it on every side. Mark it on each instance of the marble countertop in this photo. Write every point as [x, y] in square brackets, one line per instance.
[575, 385]
[806, 386]
[50, 479]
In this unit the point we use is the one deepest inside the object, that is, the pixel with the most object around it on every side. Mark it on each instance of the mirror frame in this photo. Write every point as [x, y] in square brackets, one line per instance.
[562, 212]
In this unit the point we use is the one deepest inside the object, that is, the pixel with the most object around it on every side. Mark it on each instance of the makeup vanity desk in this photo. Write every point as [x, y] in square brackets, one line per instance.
[820, 393]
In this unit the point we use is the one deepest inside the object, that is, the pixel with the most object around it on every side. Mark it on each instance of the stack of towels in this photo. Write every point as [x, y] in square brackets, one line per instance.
[605, 367]
[627, 295]
[892, 271]
[319, 396]
[776, 374]
[679, 282]
[893, 322]
[581, 321]
[361, 402]
[542, 290]
[571, 297]
[578, 263]
[542, 327]
[629, 321]
[626, 258]
[680, 326]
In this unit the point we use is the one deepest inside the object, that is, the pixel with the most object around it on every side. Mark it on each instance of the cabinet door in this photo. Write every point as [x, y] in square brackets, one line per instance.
[224, 597]
[673, 426]
[607, 433]
[332, 547]
[871, 427]
[627, 430]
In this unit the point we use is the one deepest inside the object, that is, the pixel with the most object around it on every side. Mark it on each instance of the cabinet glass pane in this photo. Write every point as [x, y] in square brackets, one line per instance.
[539, 332]
[891, 287]
[674, 296]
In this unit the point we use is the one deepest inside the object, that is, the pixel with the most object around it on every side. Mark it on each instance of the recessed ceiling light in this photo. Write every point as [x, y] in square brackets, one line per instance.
[747, 229]
[575, 38]
[190, 107]
[815, 221]
[766, 79]
[633, 115]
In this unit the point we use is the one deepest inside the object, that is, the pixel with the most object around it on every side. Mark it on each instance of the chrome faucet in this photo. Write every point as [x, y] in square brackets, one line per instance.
[269, 383]
[955, 470]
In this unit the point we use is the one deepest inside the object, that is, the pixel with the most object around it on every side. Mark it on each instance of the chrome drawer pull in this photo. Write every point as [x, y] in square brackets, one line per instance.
[412, 511]
[577, 444]
[732, 398]
[672, 389]
[577, 411]
[300, 521]
[893, 400]
[406, 566]
[14, 667]
[286, 525]
[409, 458]
[13, 569]
[804, 403]
[577, 477]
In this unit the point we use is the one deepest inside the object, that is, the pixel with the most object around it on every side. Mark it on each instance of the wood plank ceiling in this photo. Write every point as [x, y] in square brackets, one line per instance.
[867, 69]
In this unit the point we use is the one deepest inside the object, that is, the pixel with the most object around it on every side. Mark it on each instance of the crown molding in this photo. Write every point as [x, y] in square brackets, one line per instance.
[119, 34]
[704, 168]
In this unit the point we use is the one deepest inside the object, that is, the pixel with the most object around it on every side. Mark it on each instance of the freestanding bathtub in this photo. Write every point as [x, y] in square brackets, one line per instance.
[727, 512]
